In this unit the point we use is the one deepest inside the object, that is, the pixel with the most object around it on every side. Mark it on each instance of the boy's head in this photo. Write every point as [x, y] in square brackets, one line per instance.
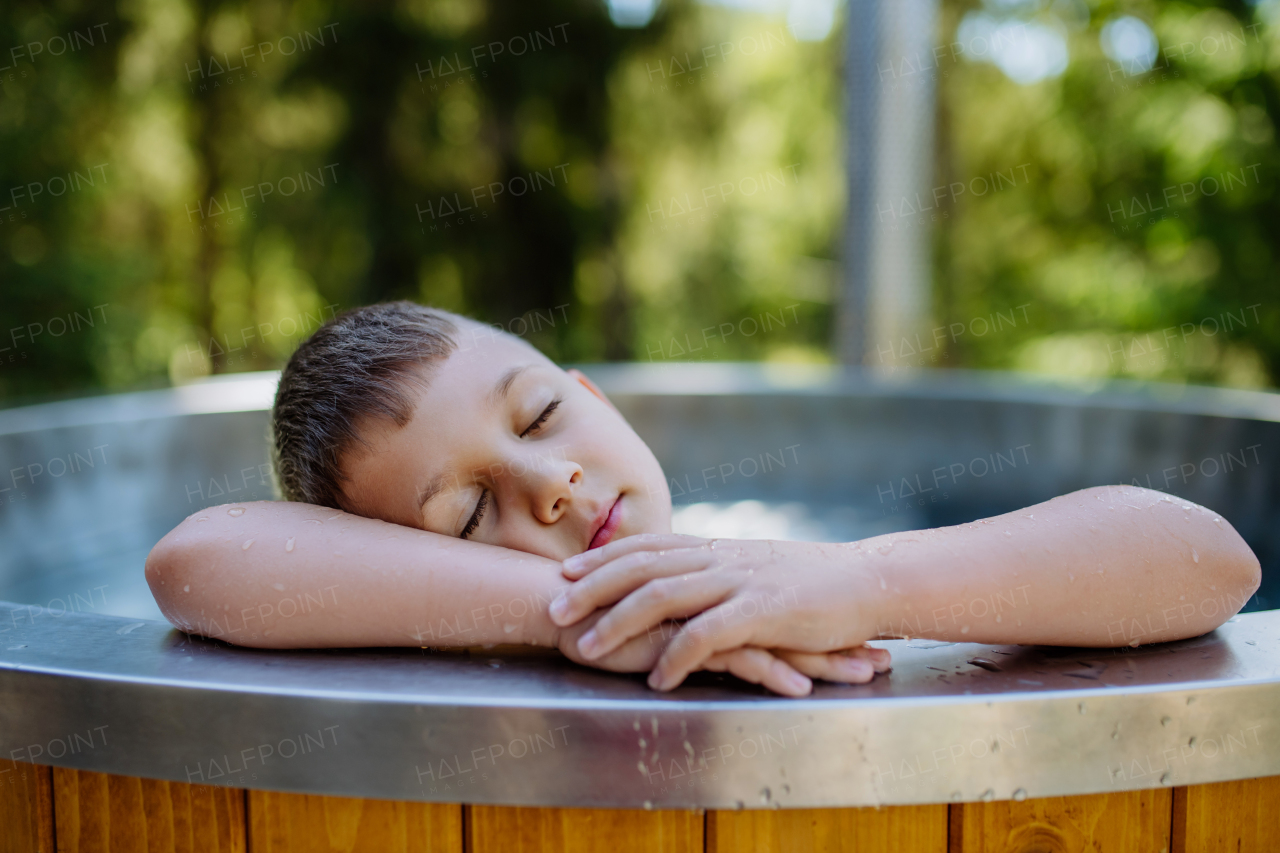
[427, 419]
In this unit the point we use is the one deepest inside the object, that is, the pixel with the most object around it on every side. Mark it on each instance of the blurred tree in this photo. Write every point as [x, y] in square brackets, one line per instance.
[729, 130]
[1141, 229]
[208, 181]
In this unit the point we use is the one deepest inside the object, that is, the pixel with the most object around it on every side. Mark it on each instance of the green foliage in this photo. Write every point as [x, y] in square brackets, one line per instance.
[1144, 239]
[238, 171]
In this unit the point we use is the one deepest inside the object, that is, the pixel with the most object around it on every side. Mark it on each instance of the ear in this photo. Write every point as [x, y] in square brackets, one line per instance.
[590, 386]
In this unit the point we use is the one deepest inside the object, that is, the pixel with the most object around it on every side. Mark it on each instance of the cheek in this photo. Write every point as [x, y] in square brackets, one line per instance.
[530, 537]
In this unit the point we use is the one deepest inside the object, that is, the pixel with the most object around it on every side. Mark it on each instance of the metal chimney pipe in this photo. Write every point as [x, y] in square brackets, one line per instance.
[889, 97]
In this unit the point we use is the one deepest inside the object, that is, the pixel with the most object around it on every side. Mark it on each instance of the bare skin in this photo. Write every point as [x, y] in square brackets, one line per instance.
[456, 527]
[280, 575]
[516, 482]
[1104, 567]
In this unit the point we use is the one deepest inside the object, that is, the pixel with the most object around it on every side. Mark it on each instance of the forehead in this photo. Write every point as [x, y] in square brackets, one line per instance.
[481, 359]
[450, 401]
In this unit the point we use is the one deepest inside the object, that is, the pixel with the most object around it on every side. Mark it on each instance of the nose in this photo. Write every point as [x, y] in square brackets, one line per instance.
[550, 487]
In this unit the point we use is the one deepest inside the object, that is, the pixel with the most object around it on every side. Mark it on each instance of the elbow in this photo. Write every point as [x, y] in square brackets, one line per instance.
[1240, 571]
[1228, 579]
[1236, 566]
[160, 572]
[168, 573]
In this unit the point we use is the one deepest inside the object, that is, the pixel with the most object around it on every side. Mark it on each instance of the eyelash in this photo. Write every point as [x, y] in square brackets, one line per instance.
[481, 505]
[474, 522]
[542, 418]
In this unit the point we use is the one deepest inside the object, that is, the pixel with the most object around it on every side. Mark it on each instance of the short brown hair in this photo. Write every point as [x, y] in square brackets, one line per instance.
[355, 366]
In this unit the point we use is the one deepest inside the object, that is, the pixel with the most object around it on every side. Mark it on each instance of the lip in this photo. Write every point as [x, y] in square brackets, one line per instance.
[606, 525]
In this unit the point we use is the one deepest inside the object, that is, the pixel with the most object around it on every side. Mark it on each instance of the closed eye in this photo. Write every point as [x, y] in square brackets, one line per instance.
[542, 418]
[474, 521]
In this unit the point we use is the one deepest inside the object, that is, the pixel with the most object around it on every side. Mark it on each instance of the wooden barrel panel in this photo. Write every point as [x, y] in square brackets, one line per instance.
[105, 813]
[907, 829]
[83, 812]
[502, 829]
[1241, 816]
[292, 823]
[1129, 821]
[26, 808]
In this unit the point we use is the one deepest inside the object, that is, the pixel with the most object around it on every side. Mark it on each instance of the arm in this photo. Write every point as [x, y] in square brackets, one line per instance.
[1107, 566]
[1103, 567]
[274, 574]
[292, 575]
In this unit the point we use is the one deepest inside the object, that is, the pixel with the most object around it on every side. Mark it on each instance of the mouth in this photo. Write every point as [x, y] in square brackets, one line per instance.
[607, 525]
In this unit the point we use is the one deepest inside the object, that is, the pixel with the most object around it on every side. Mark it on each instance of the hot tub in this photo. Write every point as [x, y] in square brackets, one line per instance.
[93, 681]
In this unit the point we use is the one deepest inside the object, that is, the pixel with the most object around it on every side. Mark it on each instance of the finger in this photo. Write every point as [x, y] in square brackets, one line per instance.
[880, 658]
[831, 666]
[620, 577]
[712, 631]
[588, 561]
[760, 666]
[652, 604]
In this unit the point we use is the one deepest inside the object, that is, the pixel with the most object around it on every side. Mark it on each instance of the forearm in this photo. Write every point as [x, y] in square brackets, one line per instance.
[291, 575]
[1107, 567]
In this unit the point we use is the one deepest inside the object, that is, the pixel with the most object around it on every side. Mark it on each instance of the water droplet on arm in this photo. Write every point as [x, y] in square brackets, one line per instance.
[245, 546]
[236, 511]
[288, 546]
[1195, 558]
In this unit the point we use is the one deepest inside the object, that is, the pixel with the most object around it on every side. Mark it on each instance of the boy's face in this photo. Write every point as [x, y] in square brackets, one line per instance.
[506, 448]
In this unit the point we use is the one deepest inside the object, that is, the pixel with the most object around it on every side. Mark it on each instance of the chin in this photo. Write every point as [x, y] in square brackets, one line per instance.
[658, 517]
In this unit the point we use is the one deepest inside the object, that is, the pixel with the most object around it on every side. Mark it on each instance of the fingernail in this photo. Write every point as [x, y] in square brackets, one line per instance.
[798, 682]
[860, 667]
[559, 608]
[655, 680]
[587, 644]
[574, 562]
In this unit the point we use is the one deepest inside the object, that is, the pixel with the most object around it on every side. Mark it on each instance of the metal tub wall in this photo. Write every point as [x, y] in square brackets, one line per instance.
[159, 740]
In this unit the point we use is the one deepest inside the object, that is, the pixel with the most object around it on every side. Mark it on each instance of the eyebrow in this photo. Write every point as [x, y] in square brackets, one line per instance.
[430, 490]
[503, 387]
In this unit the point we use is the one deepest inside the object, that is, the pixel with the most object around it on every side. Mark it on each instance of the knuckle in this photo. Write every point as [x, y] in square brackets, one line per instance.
[606, 627]
[640, 559]
[660, 592]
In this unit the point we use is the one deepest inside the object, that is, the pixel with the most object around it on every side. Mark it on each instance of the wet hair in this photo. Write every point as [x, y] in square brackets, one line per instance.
[358, 365]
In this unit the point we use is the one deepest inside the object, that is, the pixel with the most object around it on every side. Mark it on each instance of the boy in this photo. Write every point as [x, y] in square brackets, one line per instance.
[452, 486]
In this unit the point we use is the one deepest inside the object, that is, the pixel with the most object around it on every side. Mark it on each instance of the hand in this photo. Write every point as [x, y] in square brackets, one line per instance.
[776, 595]
[781, 671]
